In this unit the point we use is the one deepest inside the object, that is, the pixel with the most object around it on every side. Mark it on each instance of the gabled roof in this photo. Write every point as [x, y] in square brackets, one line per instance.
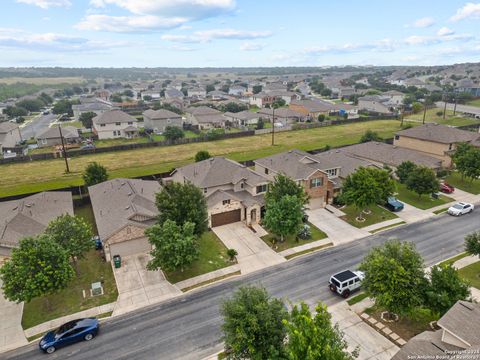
[243, 197]
[314, 105]
[439, 133]
[463, 320]
[113, 116]
[7, 126]
[219, 171]
[92, 106]
[347, 162]
[242, 115]
[295, 164]
[30, 216]
[119, 202]
[281, 113]
[202, 111]
[161, 114]
[68, 132]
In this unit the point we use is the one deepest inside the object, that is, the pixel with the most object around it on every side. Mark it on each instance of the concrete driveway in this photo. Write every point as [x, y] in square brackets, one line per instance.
[138, 287]
[338, 231]
[411, 214]
[253, 253]
[372, 345]
[11, 331]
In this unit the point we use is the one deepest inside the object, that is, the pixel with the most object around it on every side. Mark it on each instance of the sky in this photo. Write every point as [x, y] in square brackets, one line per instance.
[234, 33]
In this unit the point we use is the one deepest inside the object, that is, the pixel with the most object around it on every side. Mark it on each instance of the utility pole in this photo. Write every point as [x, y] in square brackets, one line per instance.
[455, 106]
[64, 151]
[273, 125]
[424, 111]
[445, 107]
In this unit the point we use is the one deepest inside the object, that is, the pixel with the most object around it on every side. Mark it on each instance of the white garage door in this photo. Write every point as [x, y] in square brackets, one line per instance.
[316, 203]
[130, 247]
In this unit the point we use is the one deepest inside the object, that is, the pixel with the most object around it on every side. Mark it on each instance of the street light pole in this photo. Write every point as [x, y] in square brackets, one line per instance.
[273, 125]
[64, 151]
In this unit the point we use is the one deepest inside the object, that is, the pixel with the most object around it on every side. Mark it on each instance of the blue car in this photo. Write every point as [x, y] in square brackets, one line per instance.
[69, 333]
[393, 204]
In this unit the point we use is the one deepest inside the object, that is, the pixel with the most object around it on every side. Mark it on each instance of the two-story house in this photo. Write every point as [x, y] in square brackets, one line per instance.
[96, 106]
[439, 141]
[233, 191]
[9, 135]
[158, 120]
[311, 108]
[115, 124]
[375, 104]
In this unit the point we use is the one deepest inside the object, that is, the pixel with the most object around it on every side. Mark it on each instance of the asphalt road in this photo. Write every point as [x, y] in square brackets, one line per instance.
[189, 327]
[460, 108]
[39, 124]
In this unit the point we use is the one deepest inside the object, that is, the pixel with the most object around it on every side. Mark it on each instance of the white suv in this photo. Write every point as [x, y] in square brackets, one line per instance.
[460, 209]
[345, 282]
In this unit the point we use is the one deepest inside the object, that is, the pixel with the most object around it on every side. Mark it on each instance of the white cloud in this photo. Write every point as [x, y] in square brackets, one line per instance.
[423, 22]
[150, 15]
[251, 46]
[469, 10]
[45, 4]
[445, 31]
[209, 35]
[377, 46]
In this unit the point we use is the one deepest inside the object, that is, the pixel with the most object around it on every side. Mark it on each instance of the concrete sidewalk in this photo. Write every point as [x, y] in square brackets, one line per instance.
[312, 245]
[11, 332]
[382, 224]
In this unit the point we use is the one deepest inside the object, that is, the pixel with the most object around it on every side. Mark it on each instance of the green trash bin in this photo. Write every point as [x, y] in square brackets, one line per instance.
[117, 261]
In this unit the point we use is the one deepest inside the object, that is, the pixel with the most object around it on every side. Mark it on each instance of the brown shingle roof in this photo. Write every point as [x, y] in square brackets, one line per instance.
[463, 320]
[68, 132]
[7, 126]
[113, 116]
[161, 114]
[439, 133]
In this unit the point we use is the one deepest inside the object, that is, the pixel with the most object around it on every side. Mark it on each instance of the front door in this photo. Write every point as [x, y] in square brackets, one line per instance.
[253, 216]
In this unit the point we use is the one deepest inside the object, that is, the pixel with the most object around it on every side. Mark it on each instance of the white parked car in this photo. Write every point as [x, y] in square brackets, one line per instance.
[460, 209]
[345, 282]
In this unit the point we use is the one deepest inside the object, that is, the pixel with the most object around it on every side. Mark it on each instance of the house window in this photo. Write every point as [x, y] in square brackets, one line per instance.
[241, 185]
[205, 190]
[226, 202]
[130, 123]
[317, 182]
[261, 188]
[102, 125]
[397, 137]
[117, 123]
[450, 146]
[266, 171]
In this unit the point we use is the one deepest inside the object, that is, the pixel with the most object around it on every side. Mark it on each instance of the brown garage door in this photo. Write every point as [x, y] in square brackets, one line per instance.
[226, 218]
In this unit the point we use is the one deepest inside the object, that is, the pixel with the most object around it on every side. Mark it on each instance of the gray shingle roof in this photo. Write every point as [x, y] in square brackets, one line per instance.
[391, 155]
[92, 106]
[7, 126]
[295, 164]
[439, 133]
[202, 110]
[244, 197]
[117, 202]
[281, 113]
[314, 105]
[161, 114]
[219, 171]
[113, 116]
[30, 216]
[463, 320]
[242, 115]
[347, 162]
[68, 132]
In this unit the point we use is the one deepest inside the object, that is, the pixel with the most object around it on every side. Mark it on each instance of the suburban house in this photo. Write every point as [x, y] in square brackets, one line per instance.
[261, 99]
[97, 107]
[151, 94]
[312, 173]
[172, 93]
[287, 96]
[51, 136]
[383, 154]
[102, 94]
[197, 92]
[179, 103]
[237, 90]
[394, 97]
[233, 191]
[205, 117]
[9, 135]
[30, 216]
[242, 118]
[217, 95]
[115, 124]
[311, 108]
[439, 141]
[282, 115]
[123, 209]
[458, 337]
[158, 120]
[468, 86]
[375, 104]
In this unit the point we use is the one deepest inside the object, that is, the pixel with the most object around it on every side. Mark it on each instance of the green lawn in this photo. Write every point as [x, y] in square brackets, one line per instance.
[472, 274]
[475, 102]
[121, 141]
[22, 178]
[424, 202]
[213, 256]
[86, 212]
[450, 119]
[70, 300]
[456, 180]
[292, 241]
[356, 299]
[452, 260]
[377, 215]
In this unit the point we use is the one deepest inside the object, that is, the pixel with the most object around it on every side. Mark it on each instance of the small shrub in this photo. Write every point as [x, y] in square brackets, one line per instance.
[442, 173]
[305, 232]
[231, 253]
[439, 113]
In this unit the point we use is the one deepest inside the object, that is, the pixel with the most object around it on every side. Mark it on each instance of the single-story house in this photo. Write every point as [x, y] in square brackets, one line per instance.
[51, 136]
[9, 135]
[438, 141]
[123, 209]
[158, 120]
[311, 108]
[282, 115]
[115, 124]
[30, 216]
[237, 90]
[205, 117]
[233, 191]
[242, 118]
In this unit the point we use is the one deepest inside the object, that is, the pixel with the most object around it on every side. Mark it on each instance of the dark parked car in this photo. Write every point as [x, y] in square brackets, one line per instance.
[446, 188]
[393, 204]
[69, 333]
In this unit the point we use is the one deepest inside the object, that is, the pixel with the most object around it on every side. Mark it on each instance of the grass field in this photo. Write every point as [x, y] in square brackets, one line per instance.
[70, 300]
[213, 256]
[424, 202]
[472, 274]
[21, 178]
[456, 180]
[475, 102]
[432, 116]
[377, 215]
[42, 81]
[292, 241]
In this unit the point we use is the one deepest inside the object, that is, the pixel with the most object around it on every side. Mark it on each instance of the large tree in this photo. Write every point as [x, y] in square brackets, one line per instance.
[312, 338]
[253, 325]
[173, 133]
[423, 181]
[472, 243]
[202, 155]
[404, 170]
[370, 136]
[174, 246]
[445, 289]
[282, 185]
[182, 203]
[86, 119]
[94, 174]
[471, 163]
[39, 266]
[72, 233]
[284, 217]
[394, 276]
